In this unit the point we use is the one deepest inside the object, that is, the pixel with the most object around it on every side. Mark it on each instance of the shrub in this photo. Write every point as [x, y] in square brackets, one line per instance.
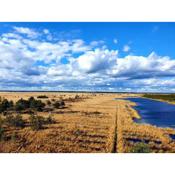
[30, 103]
[49, 120]
[76, 96]
[16, 121]
[49, 102]
[5, 105]
[21, 105]
[56, 104]
[36, 122]
[1, 121]
[140, 148]
[1, 133]
[1, 129]
[14, 136]
[62, 103]
[42, 96]
[9, 120]
[36, 104]
[19, 121]
[59, 104]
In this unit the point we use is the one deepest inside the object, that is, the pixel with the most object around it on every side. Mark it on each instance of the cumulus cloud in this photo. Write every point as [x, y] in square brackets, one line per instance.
[115, 41]
[48, 34]
[93, 61]
[139, 67]
[30, 63]
[27, 31]
[46, 31]
[126, 48]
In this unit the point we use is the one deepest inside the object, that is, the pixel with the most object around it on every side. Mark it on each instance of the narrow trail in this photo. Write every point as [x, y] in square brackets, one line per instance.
[114, 146]
[118, 143]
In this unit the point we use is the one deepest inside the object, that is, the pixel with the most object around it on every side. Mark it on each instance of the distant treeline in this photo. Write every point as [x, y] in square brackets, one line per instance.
[29, 104]
[167, 97]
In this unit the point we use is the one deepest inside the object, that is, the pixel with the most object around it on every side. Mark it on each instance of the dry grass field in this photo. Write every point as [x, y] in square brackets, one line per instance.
[88, 123]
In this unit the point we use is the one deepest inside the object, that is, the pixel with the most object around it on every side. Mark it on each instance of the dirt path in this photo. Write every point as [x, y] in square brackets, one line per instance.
[114, 147]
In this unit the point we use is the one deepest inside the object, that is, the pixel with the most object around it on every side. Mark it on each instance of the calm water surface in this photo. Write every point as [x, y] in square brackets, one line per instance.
[155, 112]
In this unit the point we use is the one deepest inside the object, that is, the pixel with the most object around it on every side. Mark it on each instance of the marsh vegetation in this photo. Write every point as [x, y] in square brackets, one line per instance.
[76, 122]
[165, 97]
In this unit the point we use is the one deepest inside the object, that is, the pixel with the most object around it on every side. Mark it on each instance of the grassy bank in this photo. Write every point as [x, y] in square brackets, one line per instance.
[162, 97]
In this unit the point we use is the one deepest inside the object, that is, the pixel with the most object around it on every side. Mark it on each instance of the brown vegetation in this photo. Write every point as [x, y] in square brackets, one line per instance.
[78, 122]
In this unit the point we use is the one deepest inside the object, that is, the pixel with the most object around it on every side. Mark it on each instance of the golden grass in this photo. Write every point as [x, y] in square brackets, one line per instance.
[85, 125]
[93, 123]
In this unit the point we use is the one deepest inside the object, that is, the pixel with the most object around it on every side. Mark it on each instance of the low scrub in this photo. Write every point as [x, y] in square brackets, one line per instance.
[50, 120]
[2, 135]
[42, 96]
[36, 122]
[140, 148]
[16, 121]
[59, 104]
[167, 97]
[31, 103]
[49, 102]
[5, 105]
[1, 129]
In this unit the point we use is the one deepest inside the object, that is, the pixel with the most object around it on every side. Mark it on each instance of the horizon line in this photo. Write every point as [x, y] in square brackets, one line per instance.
[85, 91]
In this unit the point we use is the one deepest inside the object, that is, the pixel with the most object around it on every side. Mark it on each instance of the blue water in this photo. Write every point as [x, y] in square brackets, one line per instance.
[154, 112]
[143, 140]
[137, 140]
[172, 136]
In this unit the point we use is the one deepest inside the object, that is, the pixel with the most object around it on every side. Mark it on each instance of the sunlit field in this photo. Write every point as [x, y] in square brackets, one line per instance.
[76, 123]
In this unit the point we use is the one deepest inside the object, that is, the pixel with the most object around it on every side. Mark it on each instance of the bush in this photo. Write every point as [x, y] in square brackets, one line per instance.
[49, 120]
[5, 105]
[36, 104]
[30, 103]
[77, 97]
[22, 105]
[36, 122]
[42, 96]
[14, 136]
[1, 129]
[9, 120]
[59, 104]
[1, 133]
[140, 148]
[16, 121]
[1, 121]
[62, 103]
[49, 102]
[19, 121]
[11, 104]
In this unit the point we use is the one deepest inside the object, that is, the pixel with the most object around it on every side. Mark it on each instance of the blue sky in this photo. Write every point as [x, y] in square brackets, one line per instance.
[88, 56]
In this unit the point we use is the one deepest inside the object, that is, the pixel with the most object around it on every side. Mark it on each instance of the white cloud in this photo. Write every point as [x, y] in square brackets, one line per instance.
[27, 31]
[79, 46]
[115, 41]
[48, 34]
[46, 31]
[93, 61]
[126, 48]
[35, 64]
[139, 67]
